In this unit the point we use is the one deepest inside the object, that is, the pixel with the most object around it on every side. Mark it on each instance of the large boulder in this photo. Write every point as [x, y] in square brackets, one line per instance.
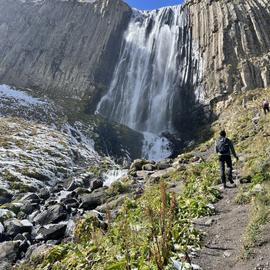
[52, 232]
[5, 196]
[15, 226]
[94, 199]
[9, 251]
[53, 214]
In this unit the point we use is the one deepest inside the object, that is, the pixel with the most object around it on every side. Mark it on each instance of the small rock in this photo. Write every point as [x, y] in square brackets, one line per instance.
[81, 191]
[155, 177]
[210, 206]
[143, 174]
[257, 189]
[57, 188]
[27, 236]
[196, 159]
[6, 214]
[209, 222]
[227, 254]
[70, 203]
[31, 197]
[96, 183]
[245, 180]
[73, 185]
[29, 207]
[164, 164]
[195, 267]
[137, 164]
[112, 205]
[24, 242]
[5, 196]
[87, 179]
[20, 237]
[149, 167]
[44, 194]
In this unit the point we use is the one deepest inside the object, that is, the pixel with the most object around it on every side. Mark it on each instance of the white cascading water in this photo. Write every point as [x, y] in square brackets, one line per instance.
[149, 73]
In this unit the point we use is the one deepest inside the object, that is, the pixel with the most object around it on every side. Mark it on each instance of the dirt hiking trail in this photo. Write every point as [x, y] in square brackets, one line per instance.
[221, 249]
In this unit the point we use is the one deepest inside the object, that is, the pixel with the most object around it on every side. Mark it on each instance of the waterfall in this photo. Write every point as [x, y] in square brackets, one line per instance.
[151, 69]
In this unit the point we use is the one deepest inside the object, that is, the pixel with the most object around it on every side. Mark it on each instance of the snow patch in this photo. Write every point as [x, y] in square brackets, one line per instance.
[22, 97]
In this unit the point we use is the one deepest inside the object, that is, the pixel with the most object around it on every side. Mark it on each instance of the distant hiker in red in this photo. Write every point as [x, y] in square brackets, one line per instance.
[224, 148]
[265, 106]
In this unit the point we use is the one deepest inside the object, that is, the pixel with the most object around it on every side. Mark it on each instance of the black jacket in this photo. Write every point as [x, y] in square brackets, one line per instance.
[231, 148]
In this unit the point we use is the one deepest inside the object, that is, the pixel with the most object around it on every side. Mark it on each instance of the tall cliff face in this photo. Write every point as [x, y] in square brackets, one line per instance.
[233, 38]
[71, 47]
[64, 48]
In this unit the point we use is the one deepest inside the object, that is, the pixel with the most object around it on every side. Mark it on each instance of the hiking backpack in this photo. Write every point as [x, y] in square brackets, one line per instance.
[265, 104]
[223, 146]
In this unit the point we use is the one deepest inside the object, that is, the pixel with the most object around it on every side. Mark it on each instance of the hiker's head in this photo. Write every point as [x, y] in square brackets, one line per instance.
[222, 133]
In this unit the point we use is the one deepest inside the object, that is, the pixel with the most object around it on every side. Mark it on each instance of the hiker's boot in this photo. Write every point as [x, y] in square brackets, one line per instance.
[232, 183]
[223, 187]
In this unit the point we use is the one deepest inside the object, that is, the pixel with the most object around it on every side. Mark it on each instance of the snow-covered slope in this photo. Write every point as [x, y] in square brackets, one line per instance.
[33, 156]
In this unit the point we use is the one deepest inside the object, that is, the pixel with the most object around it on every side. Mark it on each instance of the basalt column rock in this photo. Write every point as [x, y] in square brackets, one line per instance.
[63, 48]
[233, 38]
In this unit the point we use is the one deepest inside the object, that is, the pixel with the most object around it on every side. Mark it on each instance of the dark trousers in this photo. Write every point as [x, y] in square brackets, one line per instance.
[266, 110]
[225, 159]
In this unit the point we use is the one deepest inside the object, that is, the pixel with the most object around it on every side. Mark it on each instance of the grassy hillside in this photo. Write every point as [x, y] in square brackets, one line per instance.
[155, 230]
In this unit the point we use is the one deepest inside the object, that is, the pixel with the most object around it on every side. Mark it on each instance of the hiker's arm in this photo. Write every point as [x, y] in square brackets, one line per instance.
[233, 151]
[216, 146]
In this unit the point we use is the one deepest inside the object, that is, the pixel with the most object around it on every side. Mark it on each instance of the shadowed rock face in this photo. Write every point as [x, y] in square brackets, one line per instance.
[63, 48]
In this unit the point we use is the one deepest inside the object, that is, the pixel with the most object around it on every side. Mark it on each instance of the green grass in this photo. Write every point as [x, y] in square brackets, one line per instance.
[259, 216]
[158, 225]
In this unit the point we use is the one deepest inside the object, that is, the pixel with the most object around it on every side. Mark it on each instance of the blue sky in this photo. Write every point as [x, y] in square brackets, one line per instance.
[152, 4]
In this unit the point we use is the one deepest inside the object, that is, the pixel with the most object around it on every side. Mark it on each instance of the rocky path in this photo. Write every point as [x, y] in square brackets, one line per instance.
[223, 241]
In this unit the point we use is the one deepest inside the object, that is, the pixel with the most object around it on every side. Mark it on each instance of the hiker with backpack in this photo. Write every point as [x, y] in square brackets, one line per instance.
[224, 148]
[265, 106]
